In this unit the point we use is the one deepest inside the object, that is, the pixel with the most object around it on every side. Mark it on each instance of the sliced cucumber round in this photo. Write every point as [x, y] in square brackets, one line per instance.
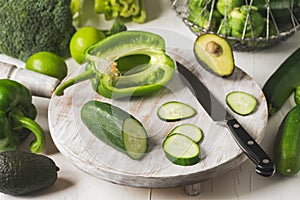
[134, 138]
[181, 150]
[190, 130]
[175, 110]
[241, 103]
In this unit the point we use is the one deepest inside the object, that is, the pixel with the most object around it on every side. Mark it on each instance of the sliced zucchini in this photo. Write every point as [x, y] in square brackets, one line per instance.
[190, 130]
[175, 110]
[181, 150]
[241, 103]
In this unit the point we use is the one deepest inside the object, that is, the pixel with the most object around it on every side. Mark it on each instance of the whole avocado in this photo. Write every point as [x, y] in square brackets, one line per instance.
[23, 172]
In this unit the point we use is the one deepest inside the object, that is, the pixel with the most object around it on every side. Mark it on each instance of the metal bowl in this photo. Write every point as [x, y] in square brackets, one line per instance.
[283, 30]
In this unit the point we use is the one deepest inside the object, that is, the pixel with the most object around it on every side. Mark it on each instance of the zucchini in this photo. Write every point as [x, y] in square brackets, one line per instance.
[190, 130]
[115, 127]
[283, 82]
[175, 110]
[287, 144]
[181, 150]
[297, 95]
[280, 8]
[241, 103]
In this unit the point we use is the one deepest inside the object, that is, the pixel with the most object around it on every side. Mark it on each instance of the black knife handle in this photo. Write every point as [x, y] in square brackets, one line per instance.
[264, 164]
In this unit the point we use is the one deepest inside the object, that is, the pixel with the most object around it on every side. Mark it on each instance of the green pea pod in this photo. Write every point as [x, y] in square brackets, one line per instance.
[105, 58]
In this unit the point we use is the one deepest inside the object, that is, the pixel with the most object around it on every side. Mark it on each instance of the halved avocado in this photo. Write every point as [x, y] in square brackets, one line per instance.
[215, 54]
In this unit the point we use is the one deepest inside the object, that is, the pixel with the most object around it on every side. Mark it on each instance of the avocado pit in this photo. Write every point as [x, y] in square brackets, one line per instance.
[214, 48]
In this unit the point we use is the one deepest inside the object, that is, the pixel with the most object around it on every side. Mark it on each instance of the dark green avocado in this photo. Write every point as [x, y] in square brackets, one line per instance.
[24, 172]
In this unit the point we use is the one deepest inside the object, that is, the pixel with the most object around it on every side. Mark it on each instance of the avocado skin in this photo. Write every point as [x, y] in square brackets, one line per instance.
[24, 172]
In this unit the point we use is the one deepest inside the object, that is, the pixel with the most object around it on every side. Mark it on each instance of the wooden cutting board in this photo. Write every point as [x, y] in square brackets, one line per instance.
[219, 152]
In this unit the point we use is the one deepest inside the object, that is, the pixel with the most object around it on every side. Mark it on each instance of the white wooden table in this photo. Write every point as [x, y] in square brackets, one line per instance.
[239, 183]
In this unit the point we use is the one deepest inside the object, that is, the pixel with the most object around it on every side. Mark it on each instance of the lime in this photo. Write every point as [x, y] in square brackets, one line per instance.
[47, 63]
[82, 39]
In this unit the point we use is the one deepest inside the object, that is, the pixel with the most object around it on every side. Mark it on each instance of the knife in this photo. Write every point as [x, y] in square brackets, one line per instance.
[264, 164]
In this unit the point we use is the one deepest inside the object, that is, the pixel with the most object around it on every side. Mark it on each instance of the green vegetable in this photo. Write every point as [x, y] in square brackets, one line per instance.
[226, 6]
[47, 63]
[117, 27]
[204, 20]
[23, 173]
[287, 144]
[280, 9]
[297, 95]
[128, 9]
[31, 26]
[116, 128]
[143, 79]
[175, 110]
[17, 115]
[197, 4]
[190, 130]
[181, 150]
[75, 6]
[243, 26]
[241, 103]
[283, 82]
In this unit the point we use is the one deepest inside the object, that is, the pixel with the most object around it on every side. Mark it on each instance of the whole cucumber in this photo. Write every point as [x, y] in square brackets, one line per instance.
[287, 144]
[283, 82]
[115, 127]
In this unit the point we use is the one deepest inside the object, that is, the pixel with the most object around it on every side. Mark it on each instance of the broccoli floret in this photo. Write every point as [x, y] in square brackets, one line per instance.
[30, 26]
[116, 28]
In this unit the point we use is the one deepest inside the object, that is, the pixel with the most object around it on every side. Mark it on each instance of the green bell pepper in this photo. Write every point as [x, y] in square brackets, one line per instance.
[129, 63]
[128, 9]
[17, 114]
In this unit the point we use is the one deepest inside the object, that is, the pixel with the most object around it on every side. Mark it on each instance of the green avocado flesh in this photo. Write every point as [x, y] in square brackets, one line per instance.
[215, 54]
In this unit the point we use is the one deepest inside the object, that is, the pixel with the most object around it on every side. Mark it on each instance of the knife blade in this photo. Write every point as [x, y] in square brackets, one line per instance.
[264, 164]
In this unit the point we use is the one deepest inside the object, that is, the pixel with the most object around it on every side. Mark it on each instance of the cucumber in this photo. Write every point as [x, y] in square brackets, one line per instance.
[283, 82]
[190, 130]
[181, 150]
[287, 144]
[175, 110]
[241, 103]
[115, 127]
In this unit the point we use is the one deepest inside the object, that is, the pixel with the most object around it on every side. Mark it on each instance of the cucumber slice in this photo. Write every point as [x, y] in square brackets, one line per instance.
[181, 150]
[190, 130]
[175, 110]
[134, 138]
[241, 103]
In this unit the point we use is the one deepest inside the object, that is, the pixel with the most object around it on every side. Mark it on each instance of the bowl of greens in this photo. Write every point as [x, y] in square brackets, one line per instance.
[248, 25]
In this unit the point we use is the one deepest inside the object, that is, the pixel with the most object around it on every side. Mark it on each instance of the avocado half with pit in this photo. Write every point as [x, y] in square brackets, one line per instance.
[215, 54]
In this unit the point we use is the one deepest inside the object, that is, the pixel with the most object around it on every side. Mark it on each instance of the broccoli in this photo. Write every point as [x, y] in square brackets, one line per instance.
[30, 26]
